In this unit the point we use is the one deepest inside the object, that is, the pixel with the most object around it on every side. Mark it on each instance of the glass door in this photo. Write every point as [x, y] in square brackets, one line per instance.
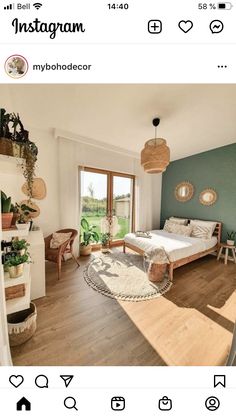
[122, 205]
[94, 197]
[108, 202]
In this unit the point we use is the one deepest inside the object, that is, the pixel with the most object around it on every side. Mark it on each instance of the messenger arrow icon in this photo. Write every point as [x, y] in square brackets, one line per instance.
[67, 379]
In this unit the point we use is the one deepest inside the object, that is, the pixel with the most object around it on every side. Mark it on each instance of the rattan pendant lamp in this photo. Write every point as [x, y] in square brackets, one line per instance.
[155, 156]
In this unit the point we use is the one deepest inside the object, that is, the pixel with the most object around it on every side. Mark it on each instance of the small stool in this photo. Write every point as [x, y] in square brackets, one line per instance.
[227, 247]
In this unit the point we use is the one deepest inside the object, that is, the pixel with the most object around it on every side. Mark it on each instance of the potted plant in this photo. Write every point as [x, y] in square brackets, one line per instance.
[231, 237]
[89, 235]
[20, 246]
[24, 212]
[105, 238]
[6, 211]
[15, 264]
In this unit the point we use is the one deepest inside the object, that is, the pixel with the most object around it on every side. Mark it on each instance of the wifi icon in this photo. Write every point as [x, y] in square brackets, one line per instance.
[37, 5]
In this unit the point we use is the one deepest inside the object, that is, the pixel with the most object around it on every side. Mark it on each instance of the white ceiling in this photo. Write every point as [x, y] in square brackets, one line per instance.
[194, 118]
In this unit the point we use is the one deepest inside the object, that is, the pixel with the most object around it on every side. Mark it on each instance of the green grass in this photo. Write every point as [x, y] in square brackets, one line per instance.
[96, 220]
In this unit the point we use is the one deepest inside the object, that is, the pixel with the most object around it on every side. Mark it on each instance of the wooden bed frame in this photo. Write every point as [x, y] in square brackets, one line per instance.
[184, 261]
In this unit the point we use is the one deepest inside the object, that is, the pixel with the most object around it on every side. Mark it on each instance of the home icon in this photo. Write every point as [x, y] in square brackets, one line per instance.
[23, 404]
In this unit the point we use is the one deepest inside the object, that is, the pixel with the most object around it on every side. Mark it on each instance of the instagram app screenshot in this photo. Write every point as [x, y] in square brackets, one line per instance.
[118, 209]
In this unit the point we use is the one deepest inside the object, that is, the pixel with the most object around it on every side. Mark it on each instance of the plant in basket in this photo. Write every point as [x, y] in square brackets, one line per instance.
[15, 264]
[89, 235]
[20, 246]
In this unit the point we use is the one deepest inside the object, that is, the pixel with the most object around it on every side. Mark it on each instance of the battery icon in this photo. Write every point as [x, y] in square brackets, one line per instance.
[225, 6]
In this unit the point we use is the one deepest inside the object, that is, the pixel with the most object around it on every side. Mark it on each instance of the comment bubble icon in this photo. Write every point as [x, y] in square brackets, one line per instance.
[41, 381]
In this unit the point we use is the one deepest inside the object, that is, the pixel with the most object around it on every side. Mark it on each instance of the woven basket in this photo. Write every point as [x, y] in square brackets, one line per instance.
[22, 325]
[157, 271]
[15, 291]
[6, 147]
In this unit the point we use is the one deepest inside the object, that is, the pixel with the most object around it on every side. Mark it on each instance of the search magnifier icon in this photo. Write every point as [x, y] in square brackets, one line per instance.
[70, 403]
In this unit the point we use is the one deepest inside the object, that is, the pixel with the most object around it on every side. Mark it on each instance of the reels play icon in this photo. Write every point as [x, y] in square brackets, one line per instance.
[118, 403]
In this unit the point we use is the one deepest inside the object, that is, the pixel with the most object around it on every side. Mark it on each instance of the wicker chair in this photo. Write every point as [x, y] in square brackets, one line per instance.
[57, 255]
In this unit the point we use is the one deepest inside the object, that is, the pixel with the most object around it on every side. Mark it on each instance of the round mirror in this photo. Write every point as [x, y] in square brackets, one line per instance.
[208, 197]
[184, 191]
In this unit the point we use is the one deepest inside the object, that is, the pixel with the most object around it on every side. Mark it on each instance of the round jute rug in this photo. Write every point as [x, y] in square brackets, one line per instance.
[123, 277]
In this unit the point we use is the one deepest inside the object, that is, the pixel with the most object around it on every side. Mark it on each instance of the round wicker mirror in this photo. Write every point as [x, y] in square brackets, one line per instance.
[184, 191]
[208, 197]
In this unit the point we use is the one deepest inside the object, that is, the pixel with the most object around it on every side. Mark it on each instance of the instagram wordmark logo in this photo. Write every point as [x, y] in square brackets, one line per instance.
[52, 28]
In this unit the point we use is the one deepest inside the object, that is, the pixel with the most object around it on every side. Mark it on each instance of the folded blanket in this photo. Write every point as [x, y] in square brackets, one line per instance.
[144, 234]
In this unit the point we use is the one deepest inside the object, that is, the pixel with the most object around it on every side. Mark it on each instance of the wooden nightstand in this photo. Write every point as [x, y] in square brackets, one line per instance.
[227, 247]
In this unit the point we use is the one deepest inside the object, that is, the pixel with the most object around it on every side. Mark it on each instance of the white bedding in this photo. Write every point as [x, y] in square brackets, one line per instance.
[176, 246]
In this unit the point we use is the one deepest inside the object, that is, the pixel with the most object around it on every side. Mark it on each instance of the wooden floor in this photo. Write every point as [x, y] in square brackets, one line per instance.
[191, 325]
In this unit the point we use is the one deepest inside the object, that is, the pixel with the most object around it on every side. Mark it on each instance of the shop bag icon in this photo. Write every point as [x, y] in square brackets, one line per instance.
[165, 404]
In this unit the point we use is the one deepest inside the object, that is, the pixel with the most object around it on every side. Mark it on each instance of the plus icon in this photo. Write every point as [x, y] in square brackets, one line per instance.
[154, 26]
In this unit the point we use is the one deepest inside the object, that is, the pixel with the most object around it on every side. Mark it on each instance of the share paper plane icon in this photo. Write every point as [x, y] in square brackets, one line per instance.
[67, 379]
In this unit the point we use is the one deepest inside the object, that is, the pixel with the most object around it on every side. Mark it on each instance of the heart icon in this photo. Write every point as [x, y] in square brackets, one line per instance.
[16, 380]
[185, 25]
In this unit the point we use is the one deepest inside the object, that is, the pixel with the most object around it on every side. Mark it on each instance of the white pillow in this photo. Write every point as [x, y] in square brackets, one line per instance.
[178, 228]
[203, 229]
[58, 239]
[182, 221]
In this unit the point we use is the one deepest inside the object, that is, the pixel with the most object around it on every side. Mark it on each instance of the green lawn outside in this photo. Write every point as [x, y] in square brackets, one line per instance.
[96, 220]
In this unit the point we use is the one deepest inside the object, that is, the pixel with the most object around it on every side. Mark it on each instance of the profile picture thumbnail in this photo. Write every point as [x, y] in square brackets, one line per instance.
[16, 66]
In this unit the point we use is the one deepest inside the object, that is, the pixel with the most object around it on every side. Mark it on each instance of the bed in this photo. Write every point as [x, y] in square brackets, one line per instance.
[180, 249]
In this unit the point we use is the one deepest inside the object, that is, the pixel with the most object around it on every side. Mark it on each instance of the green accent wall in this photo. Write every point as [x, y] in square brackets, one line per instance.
[213, 169]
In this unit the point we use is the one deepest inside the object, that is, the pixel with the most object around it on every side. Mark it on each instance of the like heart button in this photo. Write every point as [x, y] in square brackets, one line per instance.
[185, 25]
[16, 380]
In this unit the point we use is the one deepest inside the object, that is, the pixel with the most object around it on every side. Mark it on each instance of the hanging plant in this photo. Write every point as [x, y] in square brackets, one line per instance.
[29, 155]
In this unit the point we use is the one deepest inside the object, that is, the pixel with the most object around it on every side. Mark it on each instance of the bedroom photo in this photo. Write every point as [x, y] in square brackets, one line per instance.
[118, 224]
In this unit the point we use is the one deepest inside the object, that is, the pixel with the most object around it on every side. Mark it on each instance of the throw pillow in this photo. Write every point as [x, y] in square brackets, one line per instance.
[58, 239]
[211, 225]
[178, 229]
[182, 221]
[202, 232]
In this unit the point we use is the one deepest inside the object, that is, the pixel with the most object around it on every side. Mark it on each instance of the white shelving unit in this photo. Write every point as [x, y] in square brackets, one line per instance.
[7, 234]
[21, 303]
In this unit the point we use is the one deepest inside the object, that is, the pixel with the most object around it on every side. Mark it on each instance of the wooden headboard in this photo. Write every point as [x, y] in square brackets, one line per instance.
[218, 231]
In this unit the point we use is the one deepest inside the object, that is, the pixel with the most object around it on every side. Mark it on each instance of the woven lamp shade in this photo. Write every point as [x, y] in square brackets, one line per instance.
[155, 156]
